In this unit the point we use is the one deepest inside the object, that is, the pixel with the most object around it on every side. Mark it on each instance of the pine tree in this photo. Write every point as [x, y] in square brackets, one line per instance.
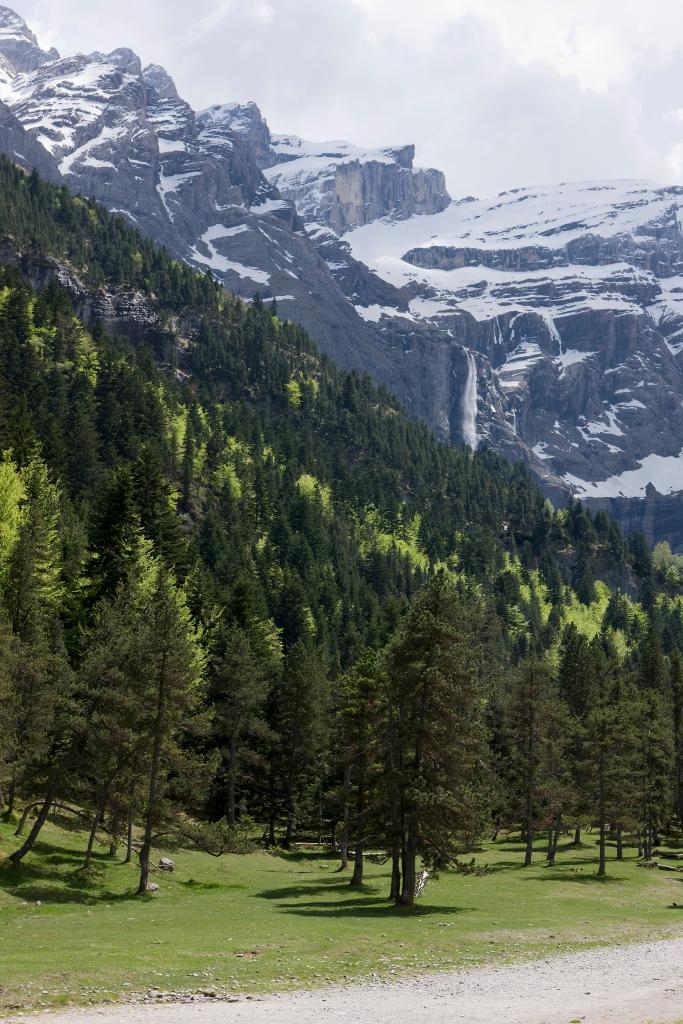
[676, 676]
[114, 689]
[653, 767]
[238, 692]
[34, 590]
[174, 667]
[299, 723]
[8, 707]
[540, 729]
[434, 733]
[48, 723]
[357, 714]
[610, 746]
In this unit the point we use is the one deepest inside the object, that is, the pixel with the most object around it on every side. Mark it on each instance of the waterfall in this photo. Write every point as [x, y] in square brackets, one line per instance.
[469, 404]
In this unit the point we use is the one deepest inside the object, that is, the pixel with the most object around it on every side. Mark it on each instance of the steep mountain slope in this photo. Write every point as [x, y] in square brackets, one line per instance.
[545, 322]
[277, 484]
[122, 134]
[568, 300]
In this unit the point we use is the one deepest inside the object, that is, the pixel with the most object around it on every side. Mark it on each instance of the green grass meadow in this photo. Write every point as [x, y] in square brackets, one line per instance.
[277, 921]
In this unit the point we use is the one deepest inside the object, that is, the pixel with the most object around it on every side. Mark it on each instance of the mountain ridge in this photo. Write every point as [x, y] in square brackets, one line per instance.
[564, 304]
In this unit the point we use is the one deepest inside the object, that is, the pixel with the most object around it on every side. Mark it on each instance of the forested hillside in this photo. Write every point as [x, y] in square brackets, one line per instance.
[241, 586]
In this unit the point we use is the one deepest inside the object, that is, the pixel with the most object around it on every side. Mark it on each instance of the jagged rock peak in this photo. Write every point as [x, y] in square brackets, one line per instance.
[18, 44]
[231, 115]
[246, 121]
[123, 58]
[403, 155]
[158, 78]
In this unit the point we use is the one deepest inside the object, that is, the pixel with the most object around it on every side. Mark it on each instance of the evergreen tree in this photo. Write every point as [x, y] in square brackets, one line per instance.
[677, 715]
[174, 666]
[358, 718]
[610, 747]
[238, 693]
[34, 591]
[434, 732]
[300, 727]
[114, 689]
[539, 726]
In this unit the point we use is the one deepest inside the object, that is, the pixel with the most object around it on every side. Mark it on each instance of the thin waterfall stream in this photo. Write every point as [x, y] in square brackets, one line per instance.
[469, 404]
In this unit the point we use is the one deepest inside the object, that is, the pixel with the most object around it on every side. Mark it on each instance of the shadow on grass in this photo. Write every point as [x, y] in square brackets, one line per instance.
[363, 903]
[196, 886]
[51, 896]
[34, 880]
[364, 907]
[540, 845]
[569, 876]
[539, 862]
[318, 888]
[303, 856]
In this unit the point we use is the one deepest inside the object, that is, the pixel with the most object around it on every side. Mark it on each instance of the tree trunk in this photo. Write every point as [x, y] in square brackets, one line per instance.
[289, 831]
[602, 864]
[27, 846]
[19, 830]
[357, 876]
[271, 801]
[344, 833]
[647, 850]
[395, 890]
[11, 796]
[529, 828]
[550, 857]
[153, 792]
[99, 814]
[556, 838]
[114, 836]
[232, 780]
[129, 836]
[409, 860]
[577, 836]
[620, 844]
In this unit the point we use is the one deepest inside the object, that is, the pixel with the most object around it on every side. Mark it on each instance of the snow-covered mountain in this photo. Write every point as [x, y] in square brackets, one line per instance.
[567, 299]
[547, 322]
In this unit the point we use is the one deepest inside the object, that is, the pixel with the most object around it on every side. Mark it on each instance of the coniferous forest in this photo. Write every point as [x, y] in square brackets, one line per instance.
[247, 600]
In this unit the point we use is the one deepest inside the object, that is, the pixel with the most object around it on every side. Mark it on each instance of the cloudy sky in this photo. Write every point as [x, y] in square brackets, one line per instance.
[498, 93]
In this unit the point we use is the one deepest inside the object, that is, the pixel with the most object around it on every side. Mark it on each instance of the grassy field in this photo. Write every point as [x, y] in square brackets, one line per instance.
[267, 921]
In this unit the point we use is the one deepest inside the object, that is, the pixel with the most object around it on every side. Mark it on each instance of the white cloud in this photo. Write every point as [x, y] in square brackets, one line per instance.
[496, 93]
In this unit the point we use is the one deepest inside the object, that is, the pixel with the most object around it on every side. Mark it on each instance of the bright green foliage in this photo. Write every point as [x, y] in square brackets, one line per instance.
[34, 591]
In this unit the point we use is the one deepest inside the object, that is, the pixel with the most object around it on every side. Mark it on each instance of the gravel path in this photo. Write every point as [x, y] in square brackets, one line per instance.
[623, 984]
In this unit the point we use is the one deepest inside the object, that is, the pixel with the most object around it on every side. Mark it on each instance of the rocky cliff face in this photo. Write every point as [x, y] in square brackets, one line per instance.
[122, 134]
[344, 187]
[21, 147]
[547, 323]
[19, 46]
